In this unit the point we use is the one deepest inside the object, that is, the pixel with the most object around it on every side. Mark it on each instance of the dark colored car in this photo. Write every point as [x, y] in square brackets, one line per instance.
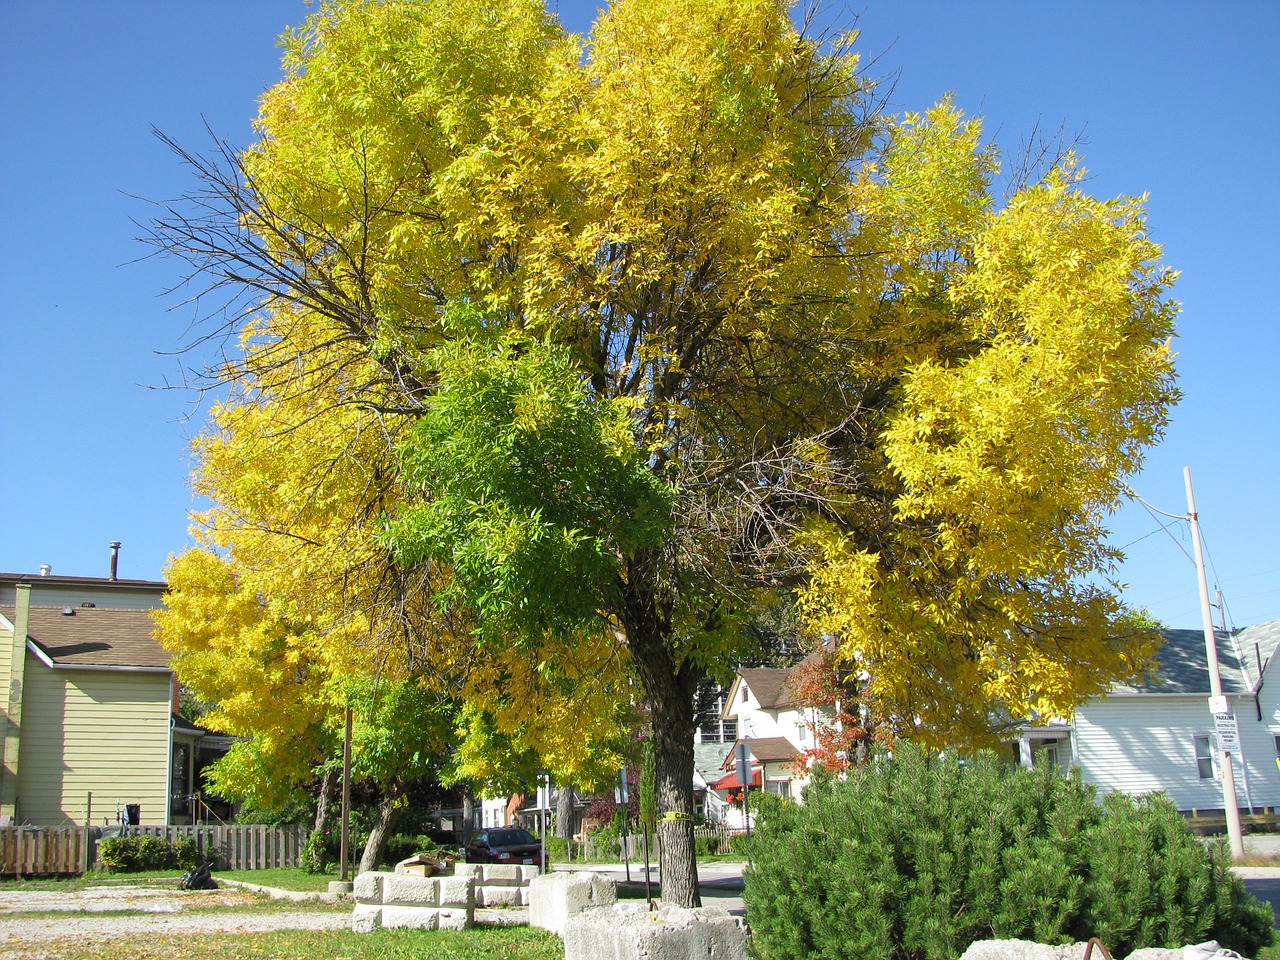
[504, 845]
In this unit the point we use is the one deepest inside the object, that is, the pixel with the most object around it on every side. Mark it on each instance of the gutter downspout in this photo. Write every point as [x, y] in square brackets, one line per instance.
[13, 706]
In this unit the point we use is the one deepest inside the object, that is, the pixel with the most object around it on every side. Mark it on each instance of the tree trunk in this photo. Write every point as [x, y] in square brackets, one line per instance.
[468, 814]
[381, 830]
[322, 801]
[673, 728]
[564, 812]
[669, 693]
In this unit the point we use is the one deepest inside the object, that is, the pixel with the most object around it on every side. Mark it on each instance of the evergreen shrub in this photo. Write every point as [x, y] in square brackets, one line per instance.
[130, 854]
[706, 846]
[917, 857]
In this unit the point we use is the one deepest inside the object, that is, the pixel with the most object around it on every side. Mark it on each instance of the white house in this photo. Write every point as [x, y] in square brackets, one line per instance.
[776, 729]
[1158, 734]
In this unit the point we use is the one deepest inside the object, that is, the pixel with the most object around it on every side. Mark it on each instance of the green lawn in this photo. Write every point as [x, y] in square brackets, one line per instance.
[286, 878]
[157, 877]
[505, 943]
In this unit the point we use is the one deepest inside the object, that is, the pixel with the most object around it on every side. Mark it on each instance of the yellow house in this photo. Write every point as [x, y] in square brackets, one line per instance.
[90, 724]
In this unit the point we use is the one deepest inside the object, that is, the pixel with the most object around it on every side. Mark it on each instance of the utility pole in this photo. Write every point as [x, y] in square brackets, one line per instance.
[1217, 702]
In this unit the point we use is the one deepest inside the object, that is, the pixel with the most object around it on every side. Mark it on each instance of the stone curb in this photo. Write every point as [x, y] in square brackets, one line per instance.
[275, 893]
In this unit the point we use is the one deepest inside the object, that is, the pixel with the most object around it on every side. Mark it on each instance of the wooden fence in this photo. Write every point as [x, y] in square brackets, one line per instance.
[26, 851]
[237, 847]
[46, 851]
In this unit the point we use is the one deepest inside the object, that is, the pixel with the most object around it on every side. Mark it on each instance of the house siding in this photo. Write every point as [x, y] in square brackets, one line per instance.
[1145, 743]
[105, 732]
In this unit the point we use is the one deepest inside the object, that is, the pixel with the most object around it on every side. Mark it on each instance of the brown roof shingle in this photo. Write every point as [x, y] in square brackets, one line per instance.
[770, 686]
[765, 750]
[91, 636]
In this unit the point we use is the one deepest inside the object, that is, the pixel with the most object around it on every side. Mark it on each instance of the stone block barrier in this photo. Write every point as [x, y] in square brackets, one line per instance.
[497, 884]
[630, 931]
[556, 897]
[427, 903]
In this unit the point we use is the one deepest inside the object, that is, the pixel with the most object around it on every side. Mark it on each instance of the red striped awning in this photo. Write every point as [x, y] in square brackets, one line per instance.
[730, 781]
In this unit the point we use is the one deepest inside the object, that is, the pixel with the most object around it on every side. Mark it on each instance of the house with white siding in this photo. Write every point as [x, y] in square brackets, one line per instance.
[776, 729]
[1157, 734]
[90, 721]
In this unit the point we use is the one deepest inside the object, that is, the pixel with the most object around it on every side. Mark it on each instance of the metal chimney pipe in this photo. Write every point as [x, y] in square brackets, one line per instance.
[45, 569]
[115, 558]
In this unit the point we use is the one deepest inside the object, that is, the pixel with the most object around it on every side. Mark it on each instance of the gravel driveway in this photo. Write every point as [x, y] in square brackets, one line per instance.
[165, 912]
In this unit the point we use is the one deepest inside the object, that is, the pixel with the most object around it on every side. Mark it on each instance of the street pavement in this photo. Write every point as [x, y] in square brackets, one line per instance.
[719, 884]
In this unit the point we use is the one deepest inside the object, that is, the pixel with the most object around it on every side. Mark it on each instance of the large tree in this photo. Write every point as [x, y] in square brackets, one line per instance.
[670, 319]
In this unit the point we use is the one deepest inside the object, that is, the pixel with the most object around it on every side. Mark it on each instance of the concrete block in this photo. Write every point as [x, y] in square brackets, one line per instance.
[555, 897]
[422, 891]
[366, 918]
[1022, 950]
[1151, 953]
[473, 870]
[367, 887]
[528, 873]
[450, 919]
[499, 897]
[628, 931]
[457, 892]
[499, 873]
[410, 918]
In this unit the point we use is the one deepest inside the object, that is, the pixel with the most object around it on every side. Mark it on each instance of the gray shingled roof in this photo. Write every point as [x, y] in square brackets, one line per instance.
[94, 636]
[1182, 666]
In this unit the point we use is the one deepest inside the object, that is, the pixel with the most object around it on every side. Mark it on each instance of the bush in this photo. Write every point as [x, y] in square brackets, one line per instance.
[402, 846]
[706, 846]
[130, 854]
[562, 850]
[918, 857]
[317, 852]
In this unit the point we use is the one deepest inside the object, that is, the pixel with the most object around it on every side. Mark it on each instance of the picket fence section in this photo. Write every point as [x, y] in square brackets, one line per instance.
[719, 838]
[25, 851]
[237, 847]
[50, 851]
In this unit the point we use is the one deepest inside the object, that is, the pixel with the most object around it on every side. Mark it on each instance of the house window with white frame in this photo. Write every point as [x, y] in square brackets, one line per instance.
[802, 733]
[1204, 757]
[780, 787]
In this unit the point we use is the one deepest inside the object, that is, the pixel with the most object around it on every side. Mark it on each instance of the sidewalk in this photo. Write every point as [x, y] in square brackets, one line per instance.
[719, 884]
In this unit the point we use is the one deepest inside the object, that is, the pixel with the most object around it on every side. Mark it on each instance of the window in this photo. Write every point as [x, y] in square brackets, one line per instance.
[1047, 753]
[744, 693]
[781, 787]
[180, 780]
[712, 729]
[1276, 738]
[1204, 758]
[802, 733]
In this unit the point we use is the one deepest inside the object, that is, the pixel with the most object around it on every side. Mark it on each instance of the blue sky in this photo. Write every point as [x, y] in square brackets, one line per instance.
[1176, 99]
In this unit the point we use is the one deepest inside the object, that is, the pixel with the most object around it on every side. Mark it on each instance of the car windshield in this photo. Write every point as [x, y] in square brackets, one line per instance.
[507, 838]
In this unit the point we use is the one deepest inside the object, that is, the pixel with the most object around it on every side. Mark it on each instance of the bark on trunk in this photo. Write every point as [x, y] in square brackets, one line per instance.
[669, 688]
[322, 801]
[381, 830]
[564, 812]
[673, 729]
[468, 814]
